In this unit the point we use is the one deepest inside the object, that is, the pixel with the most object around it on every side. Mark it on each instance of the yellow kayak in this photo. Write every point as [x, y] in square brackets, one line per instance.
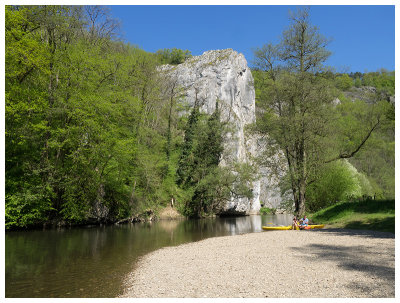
[314, 226]
[289, 227]
[277, 227]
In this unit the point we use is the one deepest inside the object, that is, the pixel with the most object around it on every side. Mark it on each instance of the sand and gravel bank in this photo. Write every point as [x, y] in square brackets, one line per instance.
[278, 264]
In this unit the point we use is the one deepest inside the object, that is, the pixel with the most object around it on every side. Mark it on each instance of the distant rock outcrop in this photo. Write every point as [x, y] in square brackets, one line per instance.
[368, 94]
[223, 75]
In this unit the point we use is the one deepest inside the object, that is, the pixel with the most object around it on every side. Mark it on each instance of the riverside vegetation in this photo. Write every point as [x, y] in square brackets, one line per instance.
[95, 133]
[295, 95]
[365, 214]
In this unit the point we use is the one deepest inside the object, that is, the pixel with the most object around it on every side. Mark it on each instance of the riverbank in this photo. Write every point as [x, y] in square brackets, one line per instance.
[279, 264]
[378, 215]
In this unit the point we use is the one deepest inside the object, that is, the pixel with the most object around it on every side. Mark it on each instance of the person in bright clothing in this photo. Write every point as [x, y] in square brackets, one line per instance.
[304, 222]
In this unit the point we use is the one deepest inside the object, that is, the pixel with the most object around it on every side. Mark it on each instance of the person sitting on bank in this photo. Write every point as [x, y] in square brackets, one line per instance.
[295, 223]
[304, 222]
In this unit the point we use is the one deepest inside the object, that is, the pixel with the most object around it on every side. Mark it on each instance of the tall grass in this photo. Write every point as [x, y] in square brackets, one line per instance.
[369, 214]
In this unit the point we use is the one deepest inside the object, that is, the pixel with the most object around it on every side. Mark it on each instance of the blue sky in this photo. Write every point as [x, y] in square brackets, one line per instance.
[363, 35]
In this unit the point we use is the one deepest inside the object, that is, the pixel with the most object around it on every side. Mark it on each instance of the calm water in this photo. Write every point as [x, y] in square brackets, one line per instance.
[93, 261]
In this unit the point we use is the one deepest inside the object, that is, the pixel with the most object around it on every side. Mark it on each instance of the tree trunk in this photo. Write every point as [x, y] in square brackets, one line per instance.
[302, 199]
[169, 127]
[296, 202]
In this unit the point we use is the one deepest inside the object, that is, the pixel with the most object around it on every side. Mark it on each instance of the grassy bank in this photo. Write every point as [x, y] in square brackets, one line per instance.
[376, 215]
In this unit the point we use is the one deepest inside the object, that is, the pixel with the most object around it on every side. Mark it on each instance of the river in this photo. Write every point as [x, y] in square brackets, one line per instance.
[93, 261]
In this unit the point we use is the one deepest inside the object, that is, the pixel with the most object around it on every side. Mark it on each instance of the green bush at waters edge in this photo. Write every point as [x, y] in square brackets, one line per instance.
[267, 211]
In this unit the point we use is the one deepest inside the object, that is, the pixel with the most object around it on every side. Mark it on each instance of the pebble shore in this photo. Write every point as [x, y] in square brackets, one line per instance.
[329, 263]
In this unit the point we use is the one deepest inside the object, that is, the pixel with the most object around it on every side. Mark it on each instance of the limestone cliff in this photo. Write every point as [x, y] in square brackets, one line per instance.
[223, 75]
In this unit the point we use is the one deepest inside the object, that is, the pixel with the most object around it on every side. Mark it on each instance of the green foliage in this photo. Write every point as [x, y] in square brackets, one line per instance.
[217, 187]
[198, 166]
[207, 186]
[92, 127]
[376, 158]
[383, 80]
[86, 120]
[172, 56]
[357, 82]
[294, 96]
[28, 207]
[336, 183]
[92, 132]
[267, 211]
[295, 102]
[287, 205]
[365, 214]
[344, 82]
[186, 161]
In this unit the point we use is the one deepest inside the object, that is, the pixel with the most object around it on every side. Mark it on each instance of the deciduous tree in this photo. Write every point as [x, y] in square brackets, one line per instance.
[296, 109]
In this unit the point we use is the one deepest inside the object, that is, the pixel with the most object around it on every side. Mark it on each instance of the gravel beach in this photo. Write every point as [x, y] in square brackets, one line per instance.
[327, 263]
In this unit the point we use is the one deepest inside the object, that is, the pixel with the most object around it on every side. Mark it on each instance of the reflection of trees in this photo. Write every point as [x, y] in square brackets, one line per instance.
[55, 259]
[168, 225]
[281, 219]
[57, 262]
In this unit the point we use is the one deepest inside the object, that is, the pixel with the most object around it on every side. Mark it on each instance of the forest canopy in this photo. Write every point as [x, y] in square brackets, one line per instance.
[95, 133]
[313, 118]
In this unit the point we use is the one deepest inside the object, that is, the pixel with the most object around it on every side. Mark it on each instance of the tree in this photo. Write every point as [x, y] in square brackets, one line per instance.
[206, 154]
[339, 182]
[87, 123]
[357, 82]
[173, 56]
[376, 159]
[207, 185]
[344, 82]
[186, 164]
[296, 108]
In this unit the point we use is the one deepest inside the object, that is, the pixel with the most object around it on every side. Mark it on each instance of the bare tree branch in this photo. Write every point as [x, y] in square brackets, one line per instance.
[346, 155]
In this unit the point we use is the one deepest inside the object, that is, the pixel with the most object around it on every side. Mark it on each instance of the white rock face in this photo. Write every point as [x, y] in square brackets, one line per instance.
[223, 75]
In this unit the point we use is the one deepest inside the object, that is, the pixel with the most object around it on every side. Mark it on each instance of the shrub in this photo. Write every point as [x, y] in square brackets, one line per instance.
[267, 211]
[338, 182]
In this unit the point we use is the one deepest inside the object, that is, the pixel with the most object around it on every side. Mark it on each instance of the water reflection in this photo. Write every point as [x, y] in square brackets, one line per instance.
[92, 262]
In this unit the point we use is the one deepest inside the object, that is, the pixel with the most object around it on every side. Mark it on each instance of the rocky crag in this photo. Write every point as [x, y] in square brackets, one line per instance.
[223, 75]
[368, 94]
